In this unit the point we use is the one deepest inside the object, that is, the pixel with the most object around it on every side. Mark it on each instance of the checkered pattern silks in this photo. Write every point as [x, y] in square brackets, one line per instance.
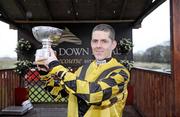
[102, 92]
[53, 87]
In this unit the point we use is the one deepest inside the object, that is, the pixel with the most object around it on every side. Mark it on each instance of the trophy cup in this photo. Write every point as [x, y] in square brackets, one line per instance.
[47, 36]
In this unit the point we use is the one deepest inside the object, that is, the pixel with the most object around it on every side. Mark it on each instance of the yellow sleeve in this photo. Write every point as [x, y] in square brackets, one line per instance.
[94, 92]
[53, 85]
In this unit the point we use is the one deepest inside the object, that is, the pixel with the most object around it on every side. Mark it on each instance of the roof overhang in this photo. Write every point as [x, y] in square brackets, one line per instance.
[19, 12]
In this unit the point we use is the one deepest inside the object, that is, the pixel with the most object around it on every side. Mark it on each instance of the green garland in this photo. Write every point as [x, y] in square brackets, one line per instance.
[23, 46]
[22, 49]
[22, 66]
[125, 45]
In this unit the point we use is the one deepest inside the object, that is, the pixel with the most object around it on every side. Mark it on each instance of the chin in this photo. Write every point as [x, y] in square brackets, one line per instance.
[99, 58]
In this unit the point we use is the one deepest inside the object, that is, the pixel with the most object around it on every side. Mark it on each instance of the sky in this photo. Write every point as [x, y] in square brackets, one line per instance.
[8, 41]
[154, 30]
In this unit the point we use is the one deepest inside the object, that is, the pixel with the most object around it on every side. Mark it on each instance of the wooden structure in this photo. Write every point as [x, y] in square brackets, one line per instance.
[155, 94]
[29, 13]
[9, 80]
[176, 53]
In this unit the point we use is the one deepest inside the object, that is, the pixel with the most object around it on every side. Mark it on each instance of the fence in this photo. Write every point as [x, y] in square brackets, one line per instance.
[9, 80]
[37, 94]
[153, 93]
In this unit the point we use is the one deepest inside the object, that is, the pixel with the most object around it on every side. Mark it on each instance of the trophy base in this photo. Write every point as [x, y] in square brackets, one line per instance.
[40, 62]
[41, 56]
[41, 65]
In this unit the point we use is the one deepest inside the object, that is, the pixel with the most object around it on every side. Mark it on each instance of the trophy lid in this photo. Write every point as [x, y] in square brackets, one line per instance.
[46, 32]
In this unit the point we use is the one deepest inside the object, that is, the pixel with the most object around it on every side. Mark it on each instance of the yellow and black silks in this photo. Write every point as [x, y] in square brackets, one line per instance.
[94, 91]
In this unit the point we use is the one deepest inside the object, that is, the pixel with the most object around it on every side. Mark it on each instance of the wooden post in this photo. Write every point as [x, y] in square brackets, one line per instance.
[175, 13]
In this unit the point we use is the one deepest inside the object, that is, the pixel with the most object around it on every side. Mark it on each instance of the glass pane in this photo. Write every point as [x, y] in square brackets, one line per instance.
[152, 41]
[8, 41]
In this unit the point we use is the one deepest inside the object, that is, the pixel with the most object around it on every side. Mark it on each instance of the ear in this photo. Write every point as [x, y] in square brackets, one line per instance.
[114, 44]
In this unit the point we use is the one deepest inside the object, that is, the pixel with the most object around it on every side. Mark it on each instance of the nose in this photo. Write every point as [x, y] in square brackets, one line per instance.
[99, 44]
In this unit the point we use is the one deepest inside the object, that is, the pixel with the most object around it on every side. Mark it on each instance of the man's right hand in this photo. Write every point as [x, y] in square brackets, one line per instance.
[43, 64]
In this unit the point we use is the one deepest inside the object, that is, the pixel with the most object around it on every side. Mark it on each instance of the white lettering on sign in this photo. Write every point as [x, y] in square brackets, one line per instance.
[116, 51]
[70, 61]
[81, 51]
[73, 51]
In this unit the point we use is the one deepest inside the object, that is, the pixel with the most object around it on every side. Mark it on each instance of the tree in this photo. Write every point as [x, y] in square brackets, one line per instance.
[159, 54]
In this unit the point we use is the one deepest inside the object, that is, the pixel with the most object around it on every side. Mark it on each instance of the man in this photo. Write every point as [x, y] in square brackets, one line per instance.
[98, 89]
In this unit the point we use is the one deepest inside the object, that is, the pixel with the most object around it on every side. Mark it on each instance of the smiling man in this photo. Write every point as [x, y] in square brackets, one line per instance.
[103, 41]
[98, 89]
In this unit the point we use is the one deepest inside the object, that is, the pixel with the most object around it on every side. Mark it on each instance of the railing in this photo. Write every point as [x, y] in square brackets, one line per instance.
[153, 93]
[37, 94]
[9, 80]
[10, 83]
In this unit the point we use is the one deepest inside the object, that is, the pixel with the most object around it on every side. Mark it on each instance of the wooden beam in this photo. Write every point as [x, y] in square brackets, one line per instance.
[176, 52]
[71, 21]
[47, 10]
[21, 8]
[4, 14]
[146, 12]
[74, 9]
[122, 8]
[97, 9]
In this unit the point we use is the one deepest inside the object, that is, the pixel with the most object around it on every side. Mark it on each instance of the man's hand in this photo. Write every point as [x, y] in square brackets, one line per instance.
[42, 64]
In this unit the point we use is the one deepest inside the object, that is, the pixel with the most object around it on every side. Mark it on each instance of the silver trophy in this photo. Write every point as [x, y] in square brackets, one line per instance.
[47, 36]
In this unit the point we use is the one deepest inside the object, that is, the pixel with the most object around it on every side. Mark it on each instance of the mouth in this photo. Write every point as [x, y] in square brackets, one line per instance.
[98, 52]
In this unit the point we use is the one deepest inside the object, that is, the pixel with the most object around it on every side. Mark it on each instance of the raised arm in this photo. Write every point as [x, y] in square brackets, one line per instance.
[94, 92]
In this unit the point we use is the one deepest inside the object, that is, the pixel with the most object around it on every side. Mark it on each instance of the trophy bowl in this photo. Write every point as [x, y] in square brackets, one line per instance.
[47, 33]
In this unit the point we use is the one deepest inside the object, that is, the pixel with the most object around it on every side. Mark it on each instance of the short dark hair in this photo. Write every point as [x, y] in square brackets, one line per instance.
[105, 28]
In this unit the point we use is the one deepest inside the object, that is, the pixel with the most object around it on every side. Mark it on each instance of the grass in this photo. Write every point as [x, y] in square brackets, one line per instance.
[7, 63]
[154, 66]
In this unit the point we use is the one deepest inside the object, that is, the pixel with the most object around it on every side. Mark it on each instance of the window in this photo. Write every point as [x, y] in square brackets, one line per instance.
[152, 41]
[8, 38]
